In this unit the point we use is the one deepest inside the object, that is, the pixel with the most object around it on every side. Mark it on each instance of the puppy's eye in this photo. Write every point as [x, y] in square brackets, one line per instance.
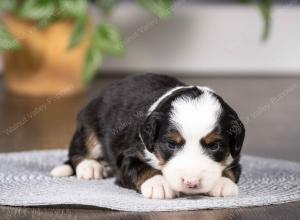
[215, 146]
[172, 145]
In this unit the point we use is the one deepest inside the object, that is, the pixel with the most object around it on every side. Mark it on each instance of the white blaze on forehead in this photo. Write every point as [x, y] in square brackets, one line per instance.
[196, 117]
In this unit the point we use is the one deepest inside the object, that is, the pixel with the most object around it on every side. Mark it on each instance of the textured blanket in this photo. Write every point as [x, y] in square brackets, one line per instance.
[25, 181]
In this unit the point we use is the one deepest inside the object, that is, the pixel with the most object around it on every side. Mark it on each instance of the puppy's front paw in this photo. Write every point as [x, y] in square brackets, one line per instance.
[157, 188]
[224, 187]
[89, 169]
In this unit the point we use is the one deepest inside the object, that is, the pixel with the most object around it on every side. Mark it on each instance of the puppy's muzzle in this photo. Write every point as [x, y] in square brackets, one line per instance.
[191, 183]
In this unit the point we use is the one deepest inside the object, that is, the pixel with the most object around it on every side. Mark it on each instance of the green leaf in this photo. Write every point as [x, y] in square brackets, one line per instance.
[106, 5]
[8, 5]
[160, 8]
[7, 41]
[109, 40]
[106, 39]
[92, 62]
[78, 32]
[71, 8]
[265, 8]
[36, 9]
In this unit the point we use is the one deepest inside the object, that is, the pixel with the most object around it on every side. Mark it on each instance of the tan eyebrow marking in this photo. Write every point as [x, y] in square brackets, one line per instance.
[211, 137]
[175, 136]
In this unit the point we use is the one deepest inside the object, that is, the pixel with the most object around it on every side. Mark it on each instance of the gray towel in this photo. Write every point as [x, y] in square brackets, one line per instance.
[25, 181]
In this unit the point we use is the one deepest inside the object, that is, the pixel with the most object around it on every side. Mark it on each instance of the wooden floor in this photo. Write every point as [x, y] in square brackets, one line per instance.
[269, 107]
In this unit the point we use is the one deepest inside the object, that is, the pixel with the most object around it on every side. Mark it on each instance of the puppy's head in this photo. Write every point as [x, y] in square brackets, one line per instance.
[191, 135]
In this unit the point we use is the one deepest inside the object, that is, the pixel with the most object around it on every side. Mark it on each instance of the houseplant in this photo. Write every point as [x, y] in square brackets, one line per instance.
[52, 46]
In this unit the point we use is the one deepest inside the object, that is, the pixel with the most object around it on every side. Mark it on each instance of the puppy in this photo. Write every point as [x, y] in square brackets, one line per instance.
[159, 137]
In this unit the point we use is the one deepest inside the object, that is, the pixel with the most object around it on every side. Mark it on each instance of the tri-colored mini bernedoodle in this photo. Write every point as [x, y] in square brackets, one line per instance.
[159, 137]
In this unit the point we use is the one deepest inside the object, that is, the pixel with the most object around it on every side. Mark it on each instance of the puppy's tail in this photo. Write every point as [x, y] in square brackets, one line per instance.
[63, 170]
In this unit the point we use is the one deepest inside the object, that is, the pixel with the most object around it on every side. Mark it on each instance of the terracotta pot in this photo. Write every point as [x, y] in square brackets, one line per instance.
[44, 66]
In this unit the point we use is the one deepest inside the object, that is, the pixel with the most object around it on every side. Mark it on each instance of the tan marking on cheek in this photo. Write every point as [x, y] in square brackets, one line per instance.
[211, 137]
[223, 163]
[161, 160]
[147, 174]
[140, 156]
[227, 161]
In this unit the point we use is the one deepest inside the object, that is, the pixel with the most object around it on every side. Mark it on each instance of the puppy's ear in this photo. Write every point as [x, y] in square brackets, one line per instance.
[237, 134]
[149, 130]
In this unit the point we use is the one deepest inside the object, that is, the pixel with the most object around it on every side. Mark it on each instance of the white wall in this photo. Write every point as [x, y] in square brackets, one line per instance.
[209, 39]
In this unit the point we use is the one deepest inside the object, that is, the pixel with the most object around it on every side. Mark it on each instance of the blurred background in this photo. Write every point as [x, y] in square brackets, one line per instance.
[56, 55]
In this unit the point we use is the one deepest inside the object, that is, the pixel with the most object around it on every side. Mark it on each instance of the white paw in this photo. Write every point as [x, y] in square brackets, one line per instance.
[89, 170]
[224, 187]
[63, 170]
[157, 188]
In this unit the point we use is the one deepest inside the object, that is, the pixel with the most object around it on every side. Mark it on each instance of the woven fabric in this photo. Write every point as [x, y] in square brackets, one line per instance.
[25, 181]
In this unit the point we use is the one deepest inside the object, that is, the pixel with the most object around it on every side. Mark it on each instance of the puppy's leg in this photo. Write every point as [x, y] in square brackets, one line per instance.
[146, 180]
[226, 185]
[86, 157]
